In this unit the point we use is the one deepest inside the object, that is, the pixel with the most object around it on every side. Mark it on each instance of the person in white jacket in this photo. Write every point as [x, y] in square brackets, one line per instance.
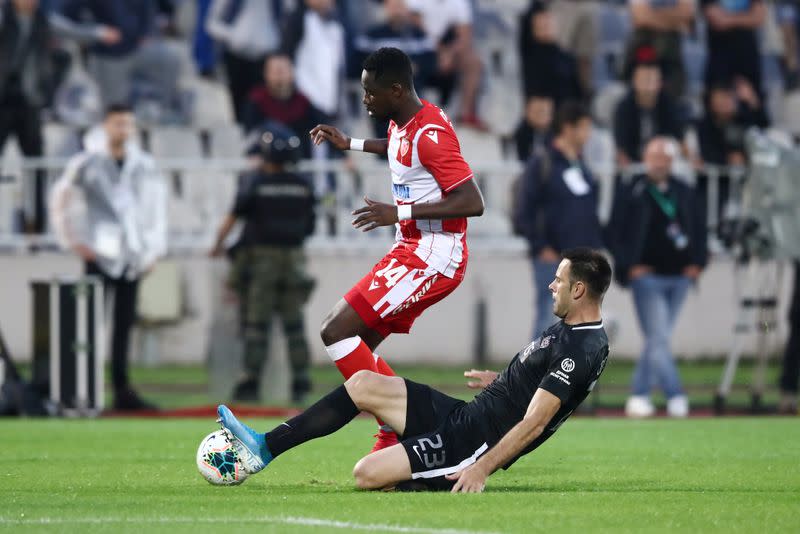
[110, 208]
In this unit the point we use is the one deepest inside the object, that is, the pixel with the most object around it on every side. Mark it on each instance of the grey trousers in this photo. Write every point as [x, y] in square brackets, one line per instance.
[154, 61]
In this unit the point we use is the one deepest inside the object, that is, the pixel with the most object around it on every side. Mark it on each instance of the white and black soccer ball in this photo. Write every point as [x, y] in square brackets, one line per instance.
[218, 461]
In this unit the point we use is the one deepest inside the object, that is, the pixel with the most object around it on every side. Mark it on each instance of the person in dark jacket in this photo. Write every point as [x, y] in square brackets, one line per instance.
[558, 204]
[645, 112]
[269, 267]
[26, 85]
[659, 245]
[546, 67]
[730, 109]
[534, 132]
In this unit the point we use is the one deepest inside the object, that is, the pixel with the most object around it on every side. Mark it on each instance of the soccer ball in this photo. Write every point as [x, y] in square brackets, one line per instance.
[218, 461]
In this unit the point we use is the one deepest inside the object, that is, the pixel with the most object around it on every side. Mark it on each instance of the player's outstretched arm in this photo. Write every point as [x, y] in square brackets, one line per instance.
[342, 141]
[542, 408]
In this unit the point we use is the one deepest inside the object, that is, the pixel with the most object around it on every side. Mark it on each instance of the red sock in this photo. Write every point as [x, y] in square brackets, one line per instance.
[383, 367]
[352, 355]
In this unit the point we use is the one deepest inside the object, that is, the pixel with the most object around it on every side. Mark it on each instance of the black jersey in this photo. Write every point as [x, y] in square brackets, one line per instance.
[566, 361]
[278, 209]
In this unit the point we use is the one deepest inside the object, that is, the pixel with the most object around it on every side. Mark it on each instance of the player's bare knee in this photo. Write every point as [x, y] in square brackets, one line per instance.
[359, 386]
[366, 475]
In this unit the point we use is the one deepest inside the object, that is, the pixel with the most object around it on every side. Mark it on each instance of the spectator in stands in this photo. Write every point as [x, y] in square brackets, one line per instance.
[534, 133]
[314, 38]
[645, 112]
[203, 53]
[787, 13]
[123, 230]
[557, 184]
[138, 54]
[399, 31]
[729, 110]
[656, 236]
[248, 30]
[546, 67]
[733, 45]
[27, 84]
[577, 35]
[279, 100]
[790, 373]
[661, 25]
[448, 23]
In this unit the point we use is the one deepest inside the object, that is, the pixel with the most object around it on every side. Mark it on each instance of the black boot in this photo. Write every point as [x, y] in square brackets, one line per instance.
[300, 388]
[246, 390]
[126, 399]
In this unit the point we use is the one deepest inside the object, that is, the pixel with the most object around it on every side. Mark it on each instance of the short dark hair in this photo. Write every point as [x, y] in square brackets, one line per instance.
[117, 108]
[390, 65]
[570, 113]
[590, 267]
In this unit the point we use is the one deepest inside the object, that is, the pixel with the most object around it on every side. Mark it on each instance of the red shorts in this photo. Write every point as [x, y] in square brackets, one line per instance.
[397, 290]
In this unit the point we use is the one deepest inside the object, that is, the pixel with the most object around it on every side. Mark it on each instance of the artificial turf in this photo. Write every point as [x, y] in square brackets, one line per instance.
[604, 475]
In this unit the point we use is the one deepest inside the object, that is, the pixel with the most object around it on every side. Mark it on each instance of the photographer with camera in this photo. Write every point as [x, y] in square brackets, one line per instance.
[657, 237]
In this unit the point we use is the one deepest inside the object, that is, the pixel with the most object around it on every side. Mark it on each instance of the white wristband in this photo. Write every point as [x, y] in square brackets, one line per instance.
[403, 212]
[356, 144]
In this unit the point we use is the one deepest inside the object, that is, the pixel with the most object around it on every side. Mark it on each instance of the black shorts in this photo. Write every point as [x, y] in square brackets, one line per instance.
[440, 439]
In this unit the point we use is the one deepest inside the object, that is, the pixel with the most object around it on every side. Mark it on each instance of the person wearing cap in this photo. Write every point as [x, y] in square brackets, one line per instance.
[657, 237]
[269, 273]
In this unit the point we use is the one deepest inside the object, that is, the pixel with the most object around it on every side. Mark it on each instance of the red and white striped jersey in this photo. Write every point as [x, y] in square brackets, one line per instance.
[426, 163]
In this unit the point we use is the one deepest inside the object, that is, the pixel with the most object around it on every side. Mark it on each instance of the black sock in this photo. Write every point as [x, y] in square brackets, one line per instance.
[326, 416]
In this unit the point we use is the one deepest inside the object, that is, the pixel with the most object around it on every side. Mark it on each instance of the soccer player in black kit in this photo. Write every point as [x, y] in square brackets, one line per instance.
[447, 443]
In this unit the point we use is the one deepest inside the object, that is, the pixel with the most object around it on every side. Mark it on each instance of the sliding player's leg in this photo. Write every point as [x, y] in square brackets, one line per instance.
[382, 396]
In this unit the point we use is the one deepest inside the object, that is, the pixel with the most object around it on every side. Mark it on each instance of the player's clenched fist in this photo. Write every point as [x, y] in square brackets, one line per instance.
[374, 214]
[324, 132]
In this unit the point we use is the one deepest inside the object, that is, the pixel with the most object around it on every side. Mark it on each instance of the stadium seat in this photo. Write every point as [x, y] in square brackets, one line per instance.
[60, 140]
[480, 146]
[213, 105]
[172, 142]
[791, 115]
[10, 185]
[605, 103]
[226, 142]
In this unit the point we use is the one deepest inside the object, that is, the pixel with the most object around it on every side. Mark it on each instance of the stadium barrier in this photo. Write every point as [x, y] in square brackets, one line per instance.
[202, 190]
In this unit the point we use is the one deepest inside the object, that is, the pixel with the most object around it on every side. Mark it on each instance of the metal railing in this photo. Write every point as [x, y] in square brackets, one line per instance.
[202, 192]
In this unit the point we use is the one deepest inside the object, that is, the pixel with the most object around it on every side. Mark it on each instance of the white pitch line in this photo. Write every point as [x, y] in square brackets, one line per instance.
[289, 520]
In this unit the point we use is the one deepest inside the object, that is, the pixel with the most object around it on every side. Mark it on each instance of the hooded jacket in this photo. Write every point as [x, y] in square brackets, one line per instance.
[118, 212]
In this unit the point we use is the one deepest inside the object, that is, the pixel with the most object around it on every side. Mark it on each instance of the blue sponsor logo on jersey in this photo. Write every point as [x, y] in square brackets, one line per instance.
[401, 191]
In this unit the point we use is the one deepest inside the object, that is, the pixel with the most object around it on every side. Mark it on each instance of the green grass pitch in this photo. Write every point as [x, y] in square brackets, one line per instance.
[607, 475]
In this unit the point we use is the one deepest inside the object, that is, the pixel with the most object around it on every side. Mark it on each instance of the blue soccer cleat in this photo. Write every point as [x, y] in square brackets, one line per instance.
[249, 444]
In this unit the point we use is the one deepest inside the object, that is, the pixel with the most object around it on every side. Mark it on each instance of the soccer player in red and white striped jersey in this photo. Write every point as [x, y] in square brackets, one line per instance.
[434, 193]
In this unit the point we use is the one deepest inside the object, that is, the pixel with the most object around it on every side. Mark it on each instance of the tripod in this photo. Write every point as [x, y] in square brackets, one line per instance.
[757, 283]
